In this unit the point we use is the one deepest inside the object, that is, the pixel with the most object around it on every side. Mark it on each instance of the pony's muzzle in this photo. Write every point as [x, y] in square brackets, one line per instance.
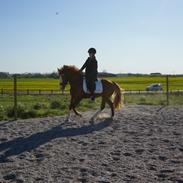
[62, 87]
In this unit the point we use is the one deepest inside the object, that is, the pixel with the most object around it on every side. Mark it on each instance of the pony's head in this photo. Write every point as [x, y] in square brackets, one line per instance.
[62, 77]
[66, 74]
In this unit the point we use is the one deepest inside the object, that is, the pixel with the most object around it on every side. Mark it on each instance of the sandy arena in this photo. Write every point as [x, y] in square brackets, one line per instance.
[141, 144]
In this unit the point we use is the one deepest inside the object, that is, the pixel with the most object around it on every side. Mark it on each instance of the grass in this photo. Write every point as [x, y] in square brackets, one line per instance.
[44, 105]
[41, 105]
[153, 99]
[127, 83]
[30, 84]
[141, 82]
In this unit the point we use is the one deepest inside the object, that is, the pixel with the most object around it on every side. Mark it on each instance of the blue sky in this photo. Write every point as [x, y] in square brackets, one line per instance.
[137, 36]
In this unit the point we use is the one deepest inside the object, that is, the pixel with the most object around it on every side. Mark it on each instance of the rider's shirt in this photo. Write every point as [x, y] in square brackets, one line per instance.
[91, 66]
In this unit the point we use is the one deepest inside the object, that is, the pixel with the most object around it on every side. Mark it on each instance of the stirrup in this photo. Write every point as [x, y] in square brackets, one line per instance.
[92, 98]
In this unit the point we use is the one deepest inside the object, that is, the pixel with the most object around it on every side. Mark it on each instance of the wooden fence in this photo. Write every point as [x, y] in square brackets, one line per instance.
[58, 92]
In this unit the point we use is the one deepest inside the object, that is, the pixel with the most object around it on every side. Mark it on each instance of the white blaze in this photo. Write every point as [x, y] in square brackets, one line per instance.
[60, 79]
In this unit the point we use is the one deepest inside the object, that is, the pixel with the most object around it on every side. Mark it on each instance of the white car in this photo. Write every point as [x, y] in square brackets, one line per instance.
[154, 87]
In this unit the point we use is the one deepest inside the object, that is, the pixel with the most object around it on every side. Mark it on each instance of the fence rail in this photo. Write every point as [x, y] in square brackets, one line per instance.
[30, 92]
[58, 92]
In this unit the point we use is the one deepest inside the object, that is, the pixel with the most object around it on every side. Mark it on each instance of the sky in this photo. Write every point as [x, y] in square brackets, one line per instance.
[130, 36]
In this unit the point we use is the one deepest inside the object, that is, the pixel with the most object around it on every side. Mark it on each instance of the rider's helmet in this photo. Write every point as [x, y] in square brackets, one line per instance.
[92, 50]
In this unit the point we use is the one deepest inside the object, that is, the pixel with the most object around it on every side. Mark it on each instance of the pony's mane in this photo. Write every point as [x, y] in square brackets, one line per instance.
[72, 68]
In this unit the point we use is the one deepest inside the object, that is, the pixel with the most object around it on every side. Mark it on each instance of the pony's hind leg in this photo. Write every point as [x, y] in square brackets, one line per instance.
[109, 102]
[94, 116]
[101, 108]
[102, 104]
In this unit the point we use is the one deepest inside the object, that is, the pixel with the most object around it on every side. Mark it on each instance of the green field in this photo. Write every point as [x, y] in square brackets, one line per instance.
[30, 84]
[127, 83]
[141, 82]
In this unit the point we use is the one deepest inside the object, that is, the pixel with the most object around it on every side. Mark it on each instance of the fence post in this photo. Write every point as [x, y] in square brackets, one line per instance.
[167, 89]
[15, 97]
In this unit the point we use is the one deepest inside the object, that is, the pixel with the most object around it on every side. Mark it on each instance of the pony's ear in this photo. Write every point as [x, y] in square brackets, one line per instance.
[58, 69]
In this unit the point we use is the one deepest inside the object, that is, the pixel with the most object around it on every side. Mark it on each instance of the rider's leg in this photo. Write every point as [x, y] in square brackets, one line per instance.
[90, 82]
[92, 89]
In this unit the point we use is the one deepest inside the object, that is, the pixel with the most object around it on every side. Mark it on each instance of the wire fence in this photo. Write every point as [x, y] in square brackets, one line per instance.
[172, 93]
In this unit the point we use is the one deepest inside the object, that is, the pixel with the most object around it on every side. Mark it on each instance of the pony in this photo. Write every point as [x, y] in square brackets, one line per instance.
[72, 75]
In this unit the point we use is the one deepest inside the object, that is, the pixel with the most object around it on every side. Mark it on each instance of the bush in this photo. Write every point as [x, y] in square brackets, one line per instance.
[28, 114]
[162, 102]
[55, 105]
[11, 113]
[1, 112]
[38, 106]
[21, 112]
[142, 100]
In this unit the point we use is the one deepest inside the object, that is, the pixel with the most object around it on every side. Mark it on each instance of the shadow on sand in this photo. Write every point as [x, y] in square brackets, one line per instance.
[21, 144]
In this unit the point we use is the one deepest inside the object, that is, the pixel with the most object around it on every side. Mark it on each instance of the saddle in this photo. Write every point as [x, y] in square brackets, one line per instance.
[98, 87]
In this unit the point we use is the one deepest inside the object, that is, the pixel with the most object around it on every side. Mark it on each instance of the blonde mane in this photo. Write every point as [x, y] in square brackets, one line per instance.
[72, 68]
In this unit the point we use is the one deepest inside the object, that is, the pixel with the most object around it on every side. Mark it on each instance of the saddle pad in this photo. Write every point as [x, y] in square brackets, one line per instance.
[98, 88]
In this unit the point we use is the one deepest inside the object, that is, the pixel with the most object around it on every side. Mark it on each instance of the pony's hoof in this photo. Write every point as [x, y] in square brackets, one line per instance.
[111, 118]
[91, 121]
[80, 115]
[67, 120]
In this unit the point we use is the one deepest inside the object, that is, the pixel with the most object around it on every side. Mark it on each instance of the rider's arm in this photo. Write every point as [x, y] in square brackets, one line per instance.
[84, 66]
[96, 66]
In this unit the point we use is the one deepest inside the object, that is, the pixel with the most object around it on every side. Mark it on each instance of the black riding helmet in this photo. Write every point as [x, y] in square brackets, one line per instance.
[92, 50]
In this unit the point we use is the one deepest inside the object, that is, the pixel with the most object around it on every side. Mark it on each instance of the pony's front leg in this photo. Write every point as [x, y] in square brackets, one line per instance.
[75, 103]
[77, 113]
[68, 116]
[69, 111]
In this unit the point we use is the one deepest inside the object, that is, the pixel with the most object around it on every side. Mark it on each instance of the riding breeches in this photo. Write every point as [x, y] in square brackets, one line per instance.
[90, 82]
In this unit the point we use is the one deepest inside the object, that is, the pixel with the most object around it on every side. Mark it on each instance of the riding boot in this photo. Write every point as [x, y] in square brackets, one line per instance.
[92, 96]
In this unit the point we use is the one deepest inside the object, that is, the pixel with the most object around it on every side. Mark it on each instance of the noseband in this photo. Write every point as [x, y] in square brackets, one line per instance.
[62, 82]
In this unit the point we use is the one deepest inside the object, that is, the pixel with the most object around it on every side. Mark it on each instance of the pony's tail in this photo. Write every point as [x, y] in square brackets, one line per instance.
[118, 102]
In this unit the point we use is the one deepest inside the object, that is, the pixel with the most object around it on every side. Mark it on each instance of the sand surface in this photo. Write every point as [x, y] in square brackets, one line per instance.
[139, 145]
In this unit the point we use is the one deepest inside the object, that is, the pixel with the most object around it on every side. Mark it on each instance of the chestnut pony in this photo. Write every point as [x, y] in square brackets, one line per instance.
[72, 75]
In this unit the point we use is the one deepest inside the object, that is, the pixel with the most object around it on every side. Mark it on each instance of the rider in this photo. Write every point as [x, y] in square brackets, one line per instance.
[91, 72]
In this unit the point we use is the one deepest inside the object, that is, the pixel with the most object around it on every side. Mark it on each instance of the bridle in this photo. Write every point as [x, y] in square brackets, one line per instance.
[63, 82]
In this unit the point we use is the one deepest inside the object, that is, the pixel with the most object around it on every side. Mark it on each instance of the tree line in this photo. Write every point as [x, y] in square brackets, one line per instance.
[54, 75]
[6, 75]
